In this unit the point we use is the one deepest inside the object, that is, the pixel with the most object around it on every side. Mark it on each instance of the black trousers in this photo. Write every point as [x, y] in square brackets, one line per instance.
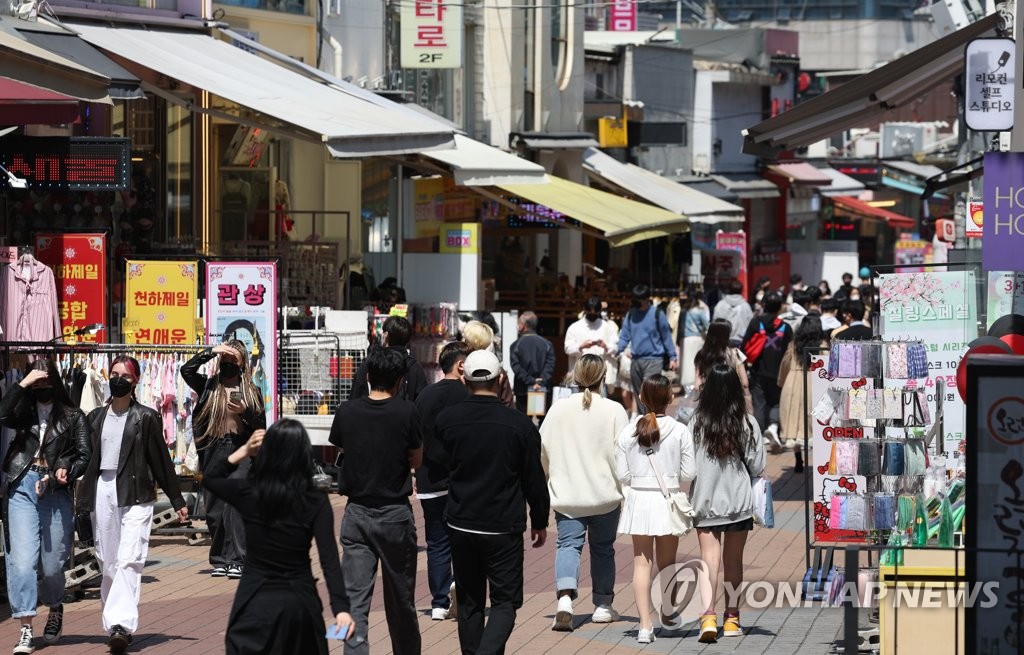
[384, 536]
[480, 561]
[439, 551]
[227, 530]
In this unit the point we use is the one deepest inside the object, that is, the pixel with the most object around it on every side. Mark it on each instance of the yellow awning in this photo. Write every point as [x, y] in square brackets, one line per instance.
[621, 220]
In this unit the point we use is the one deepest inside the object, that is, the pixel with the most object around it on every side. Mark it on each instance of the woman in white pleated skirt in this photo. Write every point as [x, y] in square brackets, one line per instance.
[645, 510]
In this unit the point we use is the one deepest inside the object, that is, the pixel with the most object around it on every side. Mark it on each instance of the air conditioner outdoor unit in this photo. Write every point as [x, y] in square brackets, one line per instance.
[905, 139]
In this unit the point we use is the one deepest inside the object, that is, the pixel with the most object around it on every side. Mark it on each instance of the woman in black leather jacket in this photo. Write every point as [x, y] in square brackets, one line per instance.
[129, 460]
[230, 408]
[49, 452]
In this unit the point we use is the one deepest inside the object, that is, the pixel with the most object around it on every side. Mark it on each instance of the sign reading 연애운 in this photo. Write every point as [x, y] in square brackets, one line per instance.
[1002, 240]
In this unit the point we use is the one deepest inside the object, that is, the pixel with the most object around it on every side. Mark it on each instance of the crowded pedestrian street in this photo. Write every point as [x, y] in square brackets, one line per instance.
[184, 610]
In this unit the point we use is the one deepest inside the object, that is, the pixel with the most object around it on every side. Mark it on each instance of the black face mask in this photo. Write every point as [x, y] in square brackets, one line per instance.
[120, 387]
[229, 370]
[635, 304]
[592, 317]
[42, 394]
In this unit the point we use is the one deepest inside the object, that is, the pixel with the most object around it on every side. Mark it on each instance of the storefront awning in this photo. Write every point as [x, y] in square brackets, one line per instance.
[28, 63]
[123, 85]
[861, 209]
[865, 99]
[621, 221]
[801, 174]
[697, 206]
[349, 124]
[477, 164]
[748, 186]
[20, 102]
[842, 185]
[555, 140]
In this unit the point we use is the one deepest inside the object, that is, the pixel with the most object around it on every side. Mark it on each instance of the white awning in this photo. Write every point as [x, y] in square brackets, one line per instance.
[478, 164]
[866, 99]
[842, 185]
[339, 114]
[698, 206]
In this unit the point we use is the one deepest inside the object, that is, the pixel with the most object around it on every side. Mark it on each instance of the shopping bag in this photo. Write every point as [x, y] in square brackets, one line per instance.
[764, 511]
[687, 406]
[536, 403]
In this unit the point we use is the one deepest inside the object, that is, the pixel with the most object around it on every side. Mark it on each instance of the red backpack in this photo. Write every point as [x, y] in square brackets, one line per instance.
[756, 345]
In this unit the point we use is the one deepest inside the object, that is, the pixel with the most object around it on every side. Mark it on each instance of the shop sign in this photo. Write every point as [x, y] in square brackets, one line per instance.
[912, 252]
[737, 242]
[241, 303]
[975, 217]
[82, 163]
[160, 302]
[431, 34]
[995, 509]
[1002, 239]
[622, 16]
[824, 485]
[437, 201]
[8, 254]
[79, 263]
[719, 266]
[989, 84]
[1005, 294]
[460, 238]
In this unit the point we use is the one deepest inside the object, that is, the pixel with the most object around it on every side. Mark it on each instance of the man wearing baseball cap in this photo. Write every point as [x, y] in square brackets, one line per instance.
[492, 456]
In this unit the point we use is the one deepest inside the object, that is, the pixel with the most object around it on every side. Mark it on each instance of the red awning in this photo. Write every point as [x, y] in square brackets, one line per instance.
[861, 209]
[24, 104]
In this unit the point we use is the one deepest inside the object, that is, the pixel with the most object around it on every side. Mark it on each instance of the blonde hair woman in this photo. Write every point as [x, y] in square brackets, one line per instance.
[578, 439]
[479, 336]
[229, 410]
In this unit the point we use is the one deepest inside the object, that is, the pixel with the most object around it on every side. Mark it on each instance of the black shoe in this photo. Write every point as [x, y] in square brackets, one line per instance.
[119, 640]
[54, 625]
[799, 467]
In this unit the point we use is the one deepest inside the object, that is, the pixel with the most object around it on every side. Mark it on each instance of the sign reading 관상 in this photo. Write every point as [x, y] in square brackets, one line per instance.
[431, 34]
[1002, 239]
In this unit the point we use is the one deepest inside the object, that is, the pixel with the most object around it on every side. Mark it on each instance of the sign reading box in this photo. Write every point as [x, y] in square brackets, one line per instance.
[431, 34]
[460, 238]
[989, 81]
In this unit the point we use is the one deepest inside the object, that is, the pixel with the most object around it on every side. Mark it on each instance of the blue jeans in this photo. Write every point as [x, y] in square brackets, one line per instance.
[39, 530]
[571, 535]
[439, 551]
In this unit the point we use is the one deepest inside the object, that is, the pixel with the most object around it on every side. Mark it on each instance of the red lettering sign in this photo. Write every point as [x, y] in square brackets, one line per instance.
[80, 265]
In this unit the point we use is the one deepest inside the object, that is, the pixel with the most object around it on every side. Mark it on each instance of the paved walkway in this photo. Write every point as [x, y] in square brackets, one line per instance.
[185, 611]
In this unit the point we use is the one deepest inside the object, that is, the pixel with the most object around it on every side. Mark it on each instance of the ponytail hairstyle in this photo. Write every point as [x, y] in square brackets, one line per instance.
[133, 367]
[589, 374]
[655, 395]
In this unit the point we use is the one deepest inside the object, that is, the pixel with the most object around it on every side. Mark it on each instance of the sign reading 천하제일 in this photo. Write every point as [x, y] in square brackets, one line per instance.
[1002, 238]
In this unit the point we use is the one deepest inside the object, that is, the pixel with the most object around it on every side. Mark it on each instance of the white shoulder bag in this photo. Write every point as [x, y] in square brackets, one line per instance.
[680, 510]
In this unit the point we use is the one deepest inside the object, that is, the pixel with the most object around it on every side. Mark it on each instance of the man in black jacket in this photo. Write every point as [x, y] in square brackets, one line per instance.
[492, 457]
[432, 485]
[770, 330]
[397, 333]
[532, 358]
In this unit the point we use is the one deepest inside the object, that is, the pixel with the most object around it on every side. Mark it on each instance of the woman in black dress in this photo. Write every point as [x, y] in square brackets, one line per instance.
[277, 608]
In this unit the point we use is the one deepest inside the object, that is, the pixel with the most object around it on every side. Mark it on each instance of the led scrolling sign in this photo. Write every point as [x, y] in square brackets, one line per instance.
[80, 163]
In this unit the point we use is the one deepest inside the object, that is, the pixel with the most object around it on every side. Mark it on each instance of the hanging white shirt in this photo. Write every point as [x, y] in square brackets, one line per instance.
[43, 413]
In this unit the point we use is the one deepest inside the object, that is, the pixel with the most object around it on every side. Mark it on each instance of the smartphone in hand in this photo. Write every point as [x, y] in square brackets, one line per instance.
[334, 633]
[235, 396]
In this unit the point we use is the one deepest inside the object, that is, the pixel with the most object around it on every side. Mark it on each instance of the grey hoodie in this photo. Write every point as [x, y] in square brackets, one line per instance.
[720, 493]
[735, 309]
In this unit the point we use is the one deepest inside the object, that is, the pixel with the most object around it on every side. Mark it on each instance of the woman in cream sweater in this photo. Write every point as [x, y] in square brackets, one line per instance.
[578, 439]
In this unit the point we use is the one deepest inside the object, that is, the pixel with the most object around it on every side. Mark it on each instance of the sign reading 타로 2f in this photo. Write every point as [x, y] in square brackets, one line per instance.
[431, 34]
[622, 16]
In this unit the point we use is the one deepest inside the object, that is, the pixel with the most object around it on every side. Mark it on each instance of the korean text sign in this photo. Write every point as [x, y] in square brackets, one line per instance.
[736, 241]
[79, 263]
[241, 303]
[160, 302]
[1002, 238]
[622, 16]
[989, 84]
[431, 34]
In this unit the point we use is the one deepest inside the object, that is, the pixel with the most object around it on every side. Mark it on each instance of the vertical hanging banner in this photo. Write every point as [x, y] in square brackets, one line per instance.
[160, 302]
[79, 263]
[431, 34]
[1002, 238]
[622, 16]
[241, 303]
[737, 242]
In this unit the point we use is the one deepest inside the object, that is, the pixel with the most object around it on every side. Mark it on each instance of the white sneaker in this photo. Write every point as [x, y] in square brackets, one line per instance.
[563, 615]
[604, 614]
[645, 636]
[790, 444]
[772, 432]
[24, 645]
[452, 613]
[438, 614]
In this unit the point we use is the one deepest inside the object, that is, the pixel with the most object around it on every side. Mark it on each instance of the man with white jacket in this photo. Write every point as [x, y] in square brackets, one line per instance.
[734, 308]
[594, 335]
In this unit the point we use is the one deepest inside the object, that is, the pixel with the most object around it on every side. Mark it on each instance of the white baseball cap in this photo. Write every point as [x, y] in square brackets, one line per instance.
[481, 366]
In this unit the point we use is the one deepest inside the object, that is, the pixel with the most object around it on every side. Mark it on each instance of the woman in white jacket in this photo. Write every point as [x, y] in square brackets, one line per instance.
[645, 512]
[578, 438]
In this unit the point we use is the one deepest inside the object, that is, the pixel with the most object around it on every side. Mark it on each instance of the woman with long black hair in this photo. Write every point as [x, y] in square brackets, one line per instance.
[129, 460]
[277, 608]
[230, 408]
[729, 452]
[717, 349]
[49, 451]
[793, 414]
